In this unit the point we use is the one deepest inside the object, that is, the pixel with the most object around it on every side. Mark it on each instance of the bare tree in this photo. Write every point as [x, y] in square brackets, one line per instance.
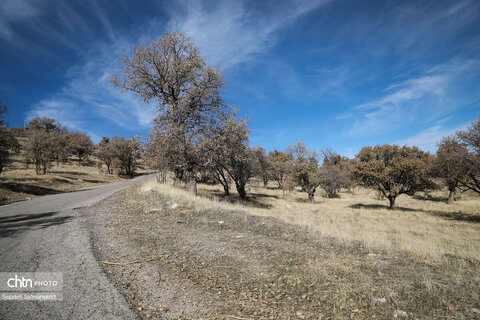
[261, 165]
[393, 170]
[280, 165]
[127, 152]
[42, 142]
[471, 162]
[8, 143]
[450, 164]
[230, 153]
[306, 170]
[334, 173]
[171, 72]
[106, 153]
[81, 145]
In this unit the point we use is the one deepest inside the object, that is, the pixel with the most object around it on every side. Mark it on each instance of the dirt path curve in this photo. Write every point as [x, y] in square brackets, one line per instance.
[47, 235]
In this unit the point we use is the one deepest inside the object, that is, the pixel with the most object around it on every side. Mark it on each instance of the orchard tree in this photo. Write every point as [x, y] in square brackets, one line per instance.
[171, 73]
[305, 170]
[106, 153]
[393, 170]
[334, 173]
[41, 145]
[280, 165]
[261, 165]
[127, 152]
[471, 163]
[450, 164]
[8, 143]
[81, 145]
[229, 152]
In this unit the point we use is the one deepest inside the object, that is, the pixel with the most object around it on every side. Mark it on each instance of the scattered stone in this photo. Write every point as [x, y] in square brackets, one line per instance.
[381, 300]
[174, 206]
[148, 189]
[475, 310]
[240, 236]
[371, 254]
[400, 313]
[220, 222]
[381, 263]
[289, 206]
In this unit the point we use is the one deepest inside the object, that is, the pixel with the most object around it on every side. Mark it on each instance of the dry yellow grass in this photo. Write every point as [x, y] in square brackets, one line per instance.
[429, 229]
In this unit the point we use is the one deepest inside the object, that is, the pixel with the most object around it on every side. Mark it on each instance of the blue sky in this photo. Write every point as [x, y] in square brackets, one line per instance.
[338, 74]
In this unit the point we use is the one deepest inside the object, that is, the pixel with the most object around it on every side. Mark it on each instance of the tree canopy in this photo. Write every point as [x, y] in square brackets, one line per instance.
[171, 72]
[393, 170]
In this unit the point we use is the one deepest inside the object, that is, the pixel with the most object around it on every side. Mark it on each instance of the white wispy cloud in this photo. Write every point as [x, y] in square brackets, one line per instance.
[228, 33]
[26, 25]
[12, 11]
[88, 96]
[429, 138]
[424, 98]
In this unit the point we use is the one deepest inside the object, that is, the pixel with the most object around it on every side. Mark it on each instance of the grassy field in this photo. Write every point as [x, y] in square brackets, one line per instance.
[278, 257]
[423, 225]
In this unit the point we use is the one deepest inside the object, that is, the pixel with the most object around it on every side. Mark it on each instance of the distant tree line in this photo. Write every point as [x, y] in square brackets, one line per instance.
[46, 141]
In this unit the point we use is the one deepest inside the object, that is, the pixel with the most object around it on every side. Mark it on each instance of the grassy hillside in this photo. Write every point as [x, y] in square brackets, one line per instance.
[181, 257]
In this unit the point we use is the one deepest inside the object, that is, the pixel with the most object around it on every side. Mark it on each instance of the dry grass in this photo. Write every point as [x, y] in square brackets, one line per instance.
[181, 257]
[429, 229]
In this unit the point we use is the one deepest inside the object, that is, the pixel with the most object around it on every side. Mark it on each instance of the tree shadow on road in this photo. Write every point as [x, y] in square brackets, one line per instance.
[19, 223]
[28, 188]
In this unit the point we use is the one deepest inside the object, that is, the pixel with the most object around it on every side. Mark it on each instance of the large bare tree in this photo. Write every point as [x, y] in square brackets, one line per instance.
[171, 72]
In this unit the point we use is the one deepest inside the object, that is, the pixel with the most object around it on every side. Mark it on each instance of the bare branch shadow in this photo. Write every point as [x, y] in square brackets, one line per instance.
[11, 225]
[28, 188]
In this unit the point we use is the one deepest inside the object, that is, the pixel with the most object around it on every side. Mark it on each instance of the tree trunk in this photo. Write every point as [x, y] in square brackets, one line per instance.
[241, 191]
[192, 183]
[265, 183]
[226, 189]
[311, 195]
[451, 196]
[391, 199]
